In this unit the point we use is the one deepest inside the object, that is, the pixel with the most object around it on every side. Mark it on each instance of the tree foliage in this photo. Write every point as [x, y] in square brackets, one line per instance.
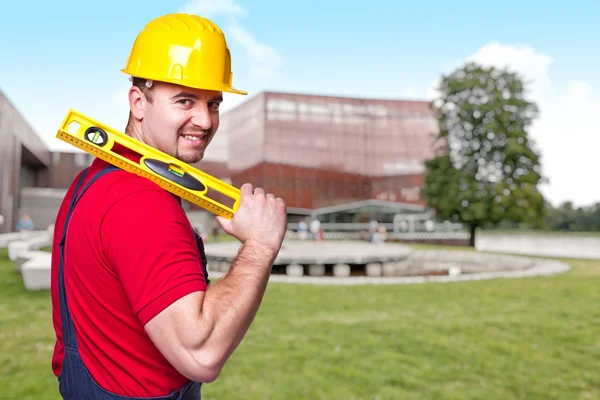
[566, 217]
[486, 170]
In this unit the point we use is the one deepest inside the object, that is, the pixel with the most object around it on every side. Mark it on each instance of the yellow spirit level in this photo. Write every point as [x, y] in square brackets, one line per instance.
[169, 173]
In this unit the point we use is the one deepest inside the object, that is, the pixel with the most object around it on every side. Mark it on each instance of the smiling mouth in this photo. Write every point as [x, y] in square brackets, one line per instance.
[193, 138]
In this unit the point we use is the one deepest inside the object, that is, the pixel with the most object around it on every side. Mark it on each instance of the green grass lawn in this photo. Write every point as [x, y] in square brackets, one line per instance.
[533, 338]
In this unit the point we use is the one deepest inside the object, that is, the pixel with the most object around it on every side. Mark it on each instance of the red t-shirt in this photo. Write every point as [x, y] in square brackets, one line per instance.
[130, 253]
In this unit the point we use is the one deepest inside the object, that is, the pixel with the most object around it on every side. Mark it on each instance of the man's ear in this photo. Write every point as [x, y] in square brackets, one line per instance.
[137, 102]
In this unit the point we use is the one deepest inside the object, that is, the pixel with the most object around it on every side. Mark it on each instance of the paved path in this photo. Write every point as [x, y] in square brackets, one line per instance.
[326, 252]
[466, 265]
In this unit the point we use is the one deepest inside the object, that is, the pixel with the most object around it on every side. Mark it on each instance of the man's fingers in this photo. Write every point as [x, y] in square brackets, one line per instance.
[246, 190]
[225, 223]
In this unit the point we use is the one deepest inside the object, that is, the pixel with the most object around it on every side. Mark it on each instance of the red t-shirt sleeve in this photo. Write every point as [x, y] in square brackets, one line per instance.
[150, 244]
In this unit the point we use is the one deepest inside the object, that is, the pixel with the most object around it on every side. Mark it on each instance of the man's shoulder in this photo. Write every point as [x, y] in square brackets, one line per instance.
[132, 181]
[120, 185]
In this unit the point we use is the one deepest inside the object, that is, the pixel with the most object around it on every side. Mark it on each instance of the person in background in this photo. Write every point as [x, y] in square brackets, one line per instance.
[200, 231]
[25, 223]
[315, 227]
[215, 230]
[302, 229]
[373, 224]
[380, 235]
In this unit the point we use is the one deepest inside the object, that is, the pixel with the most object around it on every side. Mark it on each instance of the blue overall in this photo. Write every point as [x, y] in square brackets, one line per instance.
[75, 381]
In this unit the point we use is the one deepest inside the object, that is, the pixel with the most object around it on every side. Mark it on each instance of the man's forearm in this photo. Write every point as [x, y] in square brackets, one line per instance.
[230, 305]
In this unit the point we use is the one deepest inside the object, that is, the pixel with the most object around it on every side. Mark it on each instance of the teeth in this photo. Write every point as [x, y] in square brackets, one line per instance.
[191, 137]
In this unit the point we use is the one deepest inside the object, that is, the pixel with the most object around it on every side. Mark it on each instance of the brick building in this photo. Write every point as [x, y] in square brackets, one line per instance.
[319, 151]
[316, 152]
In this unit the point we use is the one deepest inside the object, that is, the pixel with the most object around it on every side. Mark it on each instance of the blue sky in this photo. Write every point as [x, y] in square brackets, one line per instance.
[67, 54]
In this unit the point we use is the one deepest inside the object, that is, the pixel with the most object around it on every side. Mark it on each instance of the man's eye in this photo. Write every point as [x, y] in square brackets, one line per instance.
[214, 105]
[185, 102]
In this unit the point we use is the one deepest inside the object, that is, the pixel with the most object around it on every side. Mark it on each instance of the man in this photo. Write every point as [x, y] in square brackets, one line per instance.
[302, 229]
[25, 226]
[315, 227]
[25, 223]
[134, 312]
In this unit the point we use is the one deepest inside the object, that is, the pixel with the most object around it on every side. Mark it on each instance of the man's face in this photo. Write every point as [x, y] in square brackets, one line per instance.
[179, 121]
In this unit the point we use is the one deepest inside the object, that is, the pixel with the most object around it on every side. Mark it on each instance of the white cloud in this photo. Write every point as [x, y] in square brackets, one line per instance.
[263, 59]
[120, 98]
[213, 8]
[564, 132]
[534, 67]
[567, 136]
[411, 92]
[230, 101]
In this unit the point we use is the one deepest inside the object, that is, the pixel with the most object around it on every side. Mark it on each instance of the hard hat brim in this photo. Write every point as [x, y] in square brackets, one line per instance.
[191, 84]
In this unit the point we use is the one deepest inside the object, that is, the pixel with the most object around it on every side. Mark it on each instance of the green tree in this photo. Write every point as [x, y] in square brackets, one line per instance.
[486, 170]
[566, 217]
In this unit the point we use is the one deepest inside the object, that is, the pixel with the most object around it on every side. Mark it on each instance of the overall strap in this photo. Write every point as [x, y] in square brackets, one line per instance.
[68, 329]
[200, 244]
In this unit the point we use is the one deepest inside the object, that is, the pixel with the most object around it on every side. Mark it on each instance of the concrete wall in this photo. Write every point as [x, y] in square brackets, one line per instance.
[550, 245]
[65, 167]
[41, 204]
[19, 146]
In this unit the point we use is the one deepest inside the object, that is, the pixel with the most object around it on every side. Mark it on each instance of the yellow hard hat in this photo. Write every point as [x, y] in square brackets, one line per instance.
[183, 49]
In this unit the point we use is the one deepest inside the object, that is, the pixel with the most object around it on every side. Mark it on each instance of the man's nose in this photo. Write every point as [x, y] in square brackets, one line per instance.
[201, 117]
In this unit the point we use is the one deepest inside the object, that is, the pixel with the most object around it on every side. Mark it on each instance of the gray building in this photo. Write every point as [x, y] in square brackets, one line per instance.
[25, 161]
[34, 180]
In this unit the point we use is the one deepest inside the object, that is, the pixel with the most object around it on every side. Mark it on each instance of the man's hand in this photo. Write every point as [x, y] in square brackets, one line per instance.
[261, 219]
